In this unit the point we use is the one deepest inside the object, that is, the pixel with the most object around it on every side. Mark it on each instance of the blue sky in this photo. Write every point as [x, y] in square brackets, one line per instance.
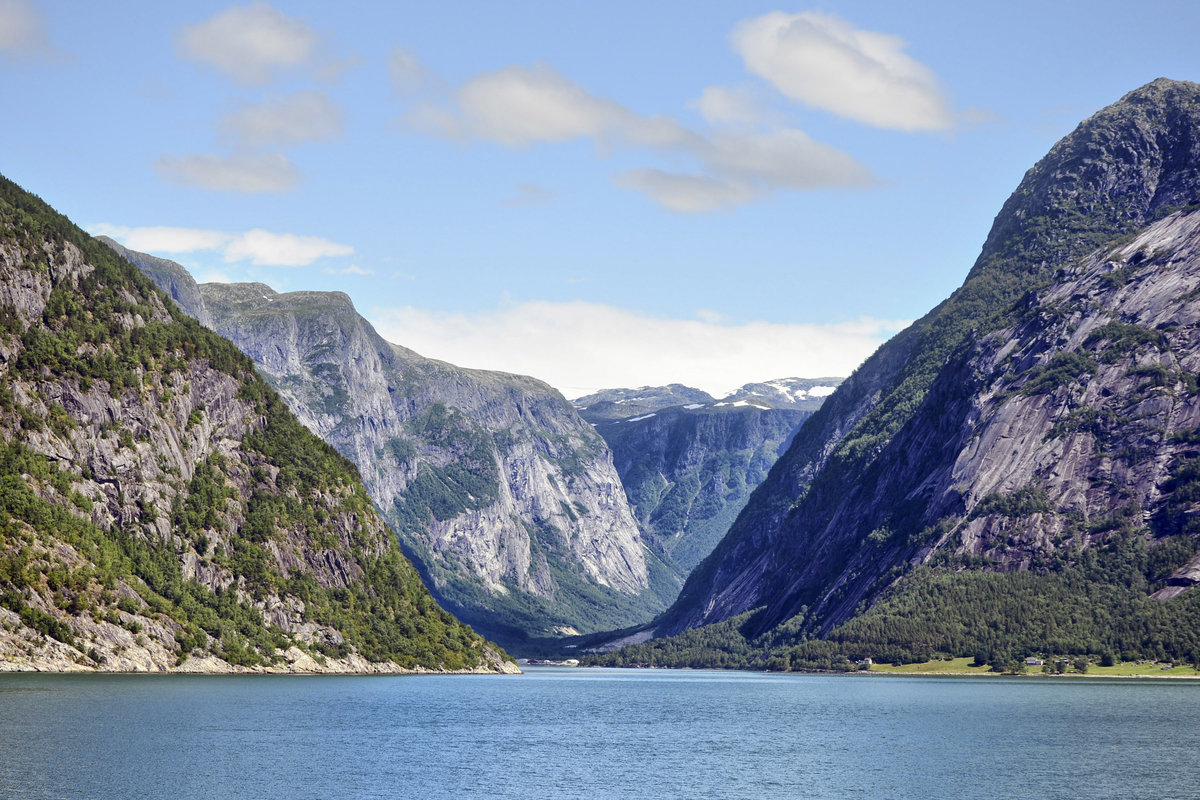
[597, 194]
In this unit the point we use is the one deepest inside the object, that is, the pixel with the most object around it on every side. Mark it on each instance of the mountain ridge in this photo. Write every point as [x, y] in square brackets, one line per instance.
[159, 507]
[799, 551]
[504, 498]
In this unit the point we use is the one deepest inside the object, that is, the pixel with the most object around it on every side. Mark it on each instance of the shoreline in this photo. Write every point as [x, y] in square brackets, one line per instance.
[961, 667]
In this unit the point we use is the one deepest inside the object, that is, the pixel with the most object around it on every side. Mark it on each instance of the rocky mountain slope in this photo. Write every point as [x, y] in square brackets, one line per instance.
[688, 462]
[688, 471]
[505, 499]
[159, 506]
[1018, 468]
[611, 404]
[800, 394]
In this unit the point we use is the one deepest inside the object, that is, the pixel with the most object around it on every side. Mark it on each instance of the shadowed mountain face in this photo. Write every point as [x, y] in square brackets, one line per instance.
[505, 499]
[688, 462]
[160, 508]
[1041, 419]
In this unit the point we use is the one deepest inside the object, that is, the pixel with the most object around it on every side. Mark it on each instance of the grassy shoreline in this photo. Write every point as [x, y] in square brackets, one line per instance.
[962, 666]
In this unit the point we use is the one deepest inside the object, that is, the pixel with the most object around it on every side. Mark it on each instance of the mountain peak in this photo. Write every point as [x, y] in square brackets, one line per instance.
[1129, 163]
[854, 472]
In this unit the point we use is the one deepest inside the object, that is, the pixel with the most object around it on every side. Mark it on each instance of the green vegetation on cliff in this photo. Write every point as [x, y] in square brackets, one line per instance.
[993, 431]
[131, 509]
[1089, 602]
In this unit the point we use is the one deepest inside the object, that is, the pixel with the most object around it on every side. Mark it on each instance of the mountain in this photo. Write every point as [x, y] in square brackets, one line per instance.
[505, 499]
[688, 462]
[688, 470]
[803, 394]
[172, 278]
[611, 404]
[159, 506]
[1018, 469]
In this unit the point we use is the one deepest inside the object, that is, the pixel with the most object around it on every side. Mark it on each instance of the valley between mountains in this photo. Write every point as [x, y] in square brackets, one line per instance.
[222, 476]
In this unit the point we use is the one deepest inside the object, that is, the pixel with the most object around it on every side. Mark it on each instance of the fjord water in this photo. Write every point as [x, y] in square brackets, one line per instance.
[595, 734]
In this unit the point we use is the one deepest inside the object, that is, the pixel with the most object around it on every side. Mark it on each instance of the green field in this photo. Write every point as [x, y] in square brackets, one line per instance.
[962, 666]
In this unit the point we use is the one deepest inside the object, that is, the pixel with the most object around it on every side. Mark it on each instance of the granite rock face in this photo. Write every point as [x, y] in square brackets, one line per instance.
[150, 516]
[1046, 404]
[688, 470]
[173, 279]
[504, 497]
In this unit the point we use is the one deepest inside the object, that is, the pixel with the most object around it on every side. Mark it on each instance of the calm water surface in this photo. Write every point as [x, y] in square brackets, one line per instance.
[596, 734]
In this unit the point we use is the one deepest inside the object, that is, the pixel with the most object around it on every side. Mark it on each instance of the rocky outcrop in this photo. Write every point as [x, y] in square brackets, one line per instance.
[1046, 406]
[504, 497]
[688, 462]
[688, 470]
[160, 509]
[801, 394]
[173, 279]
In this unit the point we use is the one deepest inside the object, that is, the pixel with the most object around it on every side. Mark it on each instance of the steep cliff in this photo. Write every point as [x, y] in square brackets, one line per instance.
[159, 506]
[173, 279]
[507, 501]
[688, 470]
[1041, 422]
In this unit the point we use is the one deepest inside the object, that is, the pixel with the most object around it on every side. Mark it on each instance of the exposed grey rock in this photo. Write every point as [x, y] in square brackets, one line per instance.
[611, 404]
[546, 499]
[802, 394]
[688, 470]
[173, 279]
[110, 407]
[934, 422]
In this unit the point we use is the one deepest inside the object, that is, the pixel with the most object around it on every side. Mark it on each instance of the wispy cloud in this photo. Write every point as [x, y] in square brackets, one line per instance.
[686, 193]
[724, 105]
[250, 173]
[259, 247]
[529, 194]
[523, 106]
[23, 33]
[406, 71]
[580, 347]
[250, 43]
[825, 62]
[518, 106]
[353, 269]
[266, 249]
[163, 240]
[307, 116]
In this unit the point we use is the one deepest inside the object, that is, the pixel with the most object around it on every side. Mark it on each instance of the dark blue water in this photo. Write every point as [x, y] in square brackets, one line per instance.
[596, 734]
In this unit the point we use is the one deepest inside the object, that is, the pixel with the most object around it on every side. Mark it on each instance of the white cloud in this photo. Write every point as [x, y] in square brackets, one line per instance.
[518, 106]
[212, 276]
[823, 61]
[581, 347]
[406, 71]
[688, 194]
[353, 269]
[746, 166]
[723, 105]
[249, 43]
[249, 173]
[260, 247]
[300, 117]
[266, 249]
[22, 31]
[435, 120]
[785, 158]
[163, 239]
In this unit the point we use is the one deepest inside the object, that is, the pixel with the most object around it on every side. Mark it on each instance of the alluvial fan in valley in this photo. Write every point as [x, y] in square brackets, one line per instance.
[1016, 473]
